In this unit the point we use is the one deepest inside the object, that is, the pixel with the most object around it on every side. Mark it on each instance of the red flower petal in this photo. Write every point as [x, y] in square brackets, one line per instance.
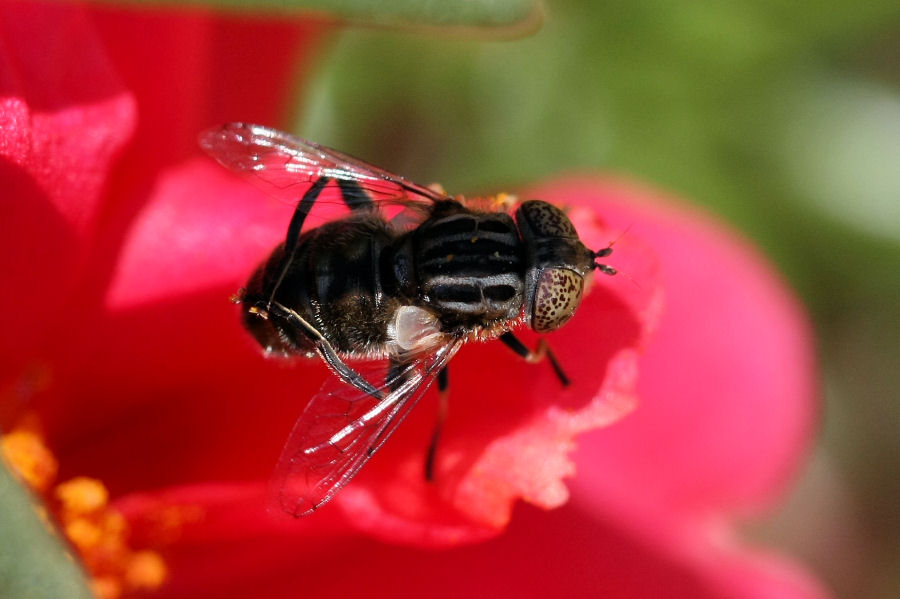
[728, 383]
[203, 68]
[233, 68]
[186, 364]
[622, 535]
[724, 419]
[568, 552]
[60, 128]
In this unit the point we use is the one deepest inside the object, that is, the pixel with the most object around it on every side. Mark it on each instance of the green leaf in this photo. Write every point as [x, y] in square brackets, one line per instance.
[515, 16]
[34, 562]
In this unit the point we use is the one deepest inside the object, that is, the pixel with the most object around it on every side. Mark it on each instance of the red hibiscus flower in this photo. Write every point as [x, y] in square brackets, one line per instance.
[123, 247]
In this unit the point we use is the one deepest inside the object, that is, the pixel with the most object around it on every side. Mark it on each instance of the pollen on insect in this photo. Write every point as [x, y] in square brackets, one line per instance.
[437, 188]
[257, 311]
[238, 296]
[505, 201]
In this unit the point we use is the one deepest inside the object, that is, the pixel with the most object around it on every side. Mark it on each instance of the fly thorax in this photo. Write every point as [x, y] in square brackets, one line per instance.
[470, 266]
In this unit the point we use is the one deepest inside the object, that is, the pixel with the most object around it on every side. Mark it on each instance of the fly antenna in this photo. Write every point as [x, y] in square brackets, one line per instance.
[604, 268]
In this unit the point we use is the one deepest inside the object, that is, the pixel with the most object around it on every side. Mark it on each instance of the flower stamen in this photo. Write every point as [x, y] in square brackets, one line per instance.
[26, 453]
[94, 528]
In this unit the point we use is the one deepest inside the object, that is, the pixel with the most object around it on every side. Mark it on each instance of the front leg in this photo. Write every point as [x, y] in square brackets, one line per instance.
[443, 383]
[533, 357]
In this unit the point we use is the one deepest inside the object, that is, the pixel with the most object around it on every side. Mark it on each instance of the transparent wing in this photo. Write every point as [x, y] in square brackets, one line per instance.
[342, 427]
[286, 167]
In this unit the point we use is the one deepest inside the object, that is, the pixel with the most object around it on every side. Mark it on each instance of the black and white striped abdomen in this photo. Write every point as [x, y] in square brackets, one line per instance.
[470, 267]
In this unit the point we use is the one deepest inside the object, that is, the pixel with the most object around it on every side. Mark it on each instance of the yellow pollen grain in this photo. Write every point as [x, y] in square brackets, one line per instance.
[27, 455]
[145, 570]
[83, 533]
[82, 495]
[505, 200]
[106, 587]
[114, 523]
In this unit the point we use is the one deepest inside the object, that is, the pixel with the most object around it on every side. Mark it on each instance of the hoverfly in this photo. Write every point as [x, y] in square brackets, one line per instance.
[406, 278]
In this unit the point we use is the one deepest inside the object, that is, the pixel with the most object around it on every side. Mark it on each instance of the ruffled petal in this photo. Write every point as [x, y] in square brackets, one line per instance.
[728, 385]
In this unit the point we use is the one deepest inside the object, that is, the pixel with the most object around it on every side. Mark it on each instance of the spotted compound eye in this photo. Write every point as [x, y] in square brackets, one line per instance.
[556, 298]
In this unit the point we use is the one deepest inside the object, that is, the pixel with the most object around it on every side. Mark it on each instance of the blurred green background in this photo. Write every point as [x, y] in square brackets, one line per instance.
[782, 117]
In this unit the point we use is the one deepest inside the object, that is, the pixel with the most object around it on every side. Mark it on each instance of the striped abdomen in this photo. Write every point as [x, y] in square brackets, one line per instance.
[470, 267]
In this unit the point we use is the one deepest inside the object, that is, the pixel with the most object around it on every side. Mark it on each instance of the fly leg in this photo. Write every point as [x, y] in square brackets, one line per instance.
[532, 357]
[399, 374]
[443, 382]
[354, 196]
[293, 231]
[324, 348]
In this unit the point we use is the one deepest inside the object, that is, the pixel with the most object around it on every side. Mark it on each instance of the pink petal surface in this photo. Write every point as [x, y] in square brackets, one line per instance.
[728, 398]
[728, 386]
